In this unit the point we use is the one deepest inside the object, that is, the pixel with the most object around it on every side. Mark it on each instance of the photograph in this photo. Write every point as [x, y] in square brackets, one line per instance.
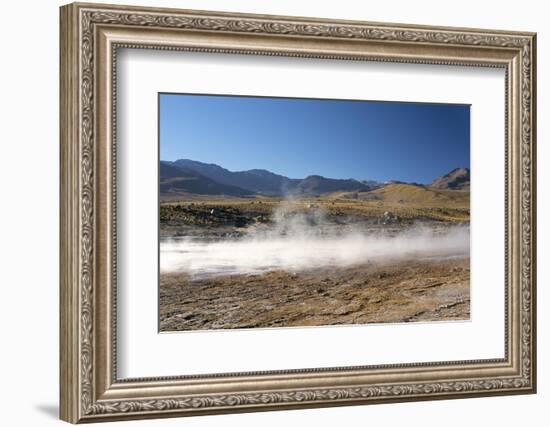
[296, 212]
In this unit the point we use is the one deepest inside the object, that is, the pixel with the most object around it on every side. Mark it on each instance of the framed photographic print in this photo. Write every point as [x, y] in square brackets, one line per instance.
[264, 212]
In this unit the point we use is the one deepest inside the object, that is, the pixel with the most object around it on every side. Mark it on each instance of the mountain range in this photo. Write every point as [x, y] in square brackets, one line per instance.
[189, 176]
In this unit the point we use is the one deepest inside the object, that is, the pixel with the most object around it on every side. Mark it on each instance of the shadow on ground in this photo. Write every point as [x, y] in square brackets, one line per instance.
[50, 410]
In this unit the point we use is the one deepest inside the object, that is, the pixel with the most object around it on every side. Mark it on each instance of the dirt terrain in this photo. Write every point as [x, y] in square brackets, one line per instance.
[372, 293]
[404, 289]
[404, 202]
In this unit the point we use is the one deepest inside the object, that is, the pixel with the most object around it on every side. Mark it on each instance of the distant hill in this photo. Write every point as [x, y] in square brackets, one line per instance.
[261, 181]
[176, 180]
[315, 185]
[419, 194]
[255, 180]
[457, 179]
[372, 184]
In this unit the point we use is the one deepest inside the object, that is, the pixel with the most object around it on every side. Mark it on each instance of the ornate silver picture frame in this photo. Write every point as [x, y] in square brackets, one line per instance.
[91, 36]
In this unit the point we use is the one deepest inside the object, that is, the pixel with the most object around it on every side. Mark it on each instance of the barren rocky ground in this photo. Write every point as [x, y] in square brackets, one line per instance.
[406, 289]
[411, 290]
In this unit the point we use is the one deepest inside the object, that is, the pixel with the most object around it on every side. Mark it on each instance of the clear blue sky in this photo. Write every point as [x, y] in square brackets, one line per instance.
[411, 142]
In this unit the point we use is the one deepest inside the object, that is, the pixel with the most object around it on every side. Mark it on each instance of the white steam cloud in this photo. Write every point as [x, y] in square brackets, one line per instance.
[298, 242]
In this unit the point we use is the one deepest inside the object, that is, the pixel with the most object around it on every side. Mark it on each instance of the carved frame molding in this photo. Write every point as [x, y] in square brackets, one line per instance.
[90, 36]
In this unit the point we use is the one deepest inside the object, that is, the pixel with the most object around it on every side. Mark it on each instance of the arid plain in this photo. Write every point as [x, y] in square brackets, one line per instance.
[391, 252]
